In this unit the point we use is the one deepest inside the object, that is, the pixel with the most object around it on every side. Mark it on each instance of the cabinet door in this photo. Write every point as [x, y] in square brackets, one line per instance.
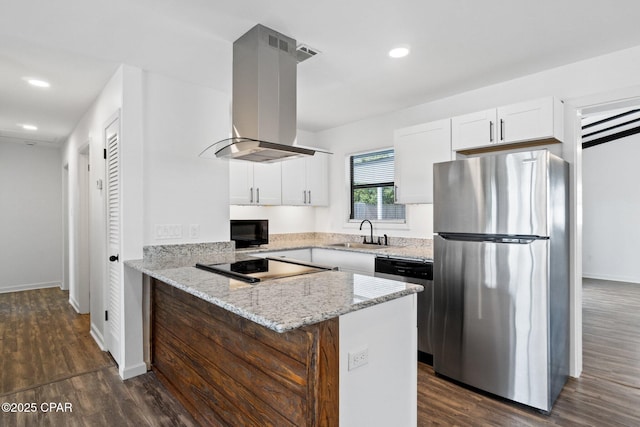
[474, 130]
[417, 148]
[240, 182]
[293, 182]
[295, 254]
[305, 182]
[317, 174]
[353, 262]
[267, 180]
[526, 121]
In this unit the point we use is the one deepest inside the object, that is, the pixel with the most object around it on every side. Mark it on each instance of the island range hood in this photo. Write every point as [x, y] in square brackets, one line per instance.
[264, 100]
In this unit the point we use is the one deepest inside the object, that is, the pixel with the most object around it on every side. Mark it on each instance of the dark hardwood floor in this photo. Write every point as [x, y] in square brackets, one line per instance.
[49, 356]
[606, 394]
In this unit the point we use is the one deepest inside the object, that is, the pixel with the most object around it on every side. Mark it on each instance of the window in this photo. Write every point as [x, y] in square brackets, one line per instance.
[372, 187]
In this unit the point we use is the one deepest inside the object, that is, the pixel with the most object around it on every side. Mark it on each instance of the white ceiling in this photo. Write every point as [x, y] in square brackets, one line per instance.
[456, 45]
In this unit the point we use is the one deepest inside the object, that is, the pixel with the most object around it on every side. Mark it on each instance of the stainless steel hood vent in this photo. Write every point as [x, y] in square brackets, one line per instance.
[261, 151]
[264, 100]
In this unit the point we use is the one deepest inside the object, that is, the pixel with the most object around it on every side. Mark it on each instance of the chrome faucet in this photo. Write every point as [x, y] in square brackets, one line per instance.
[365, 239]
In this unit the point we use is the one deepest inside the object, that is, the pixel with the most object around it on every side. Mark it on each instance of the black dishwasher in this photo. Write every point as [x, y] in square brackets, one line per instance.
[420, 272]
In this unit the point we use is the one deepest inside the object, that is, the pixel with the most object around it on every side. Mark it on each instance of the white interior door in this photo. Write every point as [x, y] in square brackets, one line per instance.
[112, 304]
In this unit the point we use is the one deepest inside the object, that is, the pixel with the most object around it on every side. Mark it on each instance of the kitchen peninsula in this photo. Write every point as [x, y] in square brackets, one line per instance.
[325, 348]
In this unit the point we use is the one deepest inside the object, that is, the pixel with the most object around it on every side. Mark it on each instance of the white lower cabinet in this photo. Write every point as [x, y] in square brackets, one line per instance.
[353, 262]
[295, 254]
[350, 261]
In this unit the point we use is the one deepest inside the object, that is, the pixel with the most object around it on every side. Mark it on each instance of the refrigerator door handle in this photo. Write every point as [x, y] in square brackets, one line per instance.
[492, 238]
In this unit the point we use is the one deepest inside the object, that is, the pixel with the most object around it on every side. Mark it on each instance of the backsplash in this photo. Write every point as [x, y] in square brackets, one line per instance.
[340, 237]
[159, 253]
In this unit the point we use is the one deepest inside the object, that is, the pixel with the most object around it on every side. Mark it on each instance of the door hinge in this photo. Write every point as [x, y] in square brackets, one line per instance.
[104, 153]
[106, 315]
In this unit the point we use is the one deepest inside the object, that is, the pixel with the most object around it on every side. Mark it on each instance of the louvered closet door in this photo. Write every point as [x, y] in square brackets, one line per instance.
[112, 296]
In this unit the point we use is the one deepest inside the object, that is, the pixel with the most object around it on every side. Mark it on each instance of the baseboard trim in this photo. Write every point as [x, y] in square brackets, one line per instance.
[29, 287]
[133, 371]
[97, 337]
[610, 278]
[74, 304]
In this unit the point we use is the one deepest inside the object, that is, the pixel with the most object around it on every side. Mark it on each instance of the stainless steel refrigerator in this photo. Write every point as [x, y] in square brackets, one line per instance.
[501, 274]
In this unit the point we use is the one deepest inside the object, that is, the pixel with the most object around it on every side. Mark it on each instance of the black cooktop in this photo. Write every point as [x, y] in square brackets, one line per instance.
[258, 269]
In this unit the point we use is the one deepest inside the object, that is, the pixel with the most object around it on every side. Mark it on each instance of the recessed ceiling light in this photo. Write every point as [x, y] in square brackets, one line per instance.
[37, 82]
[399, 52]
[26, 126]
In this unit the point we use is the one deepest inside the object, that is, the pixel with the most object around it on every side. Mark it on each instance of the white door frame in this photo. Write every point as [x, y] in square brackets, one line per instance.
[66, 222]
[79, 294]
[576, 107]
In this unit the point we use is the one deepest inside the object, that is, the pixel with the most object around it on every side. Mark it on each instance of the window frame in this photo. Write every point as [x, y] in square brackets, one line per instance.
[350, 188]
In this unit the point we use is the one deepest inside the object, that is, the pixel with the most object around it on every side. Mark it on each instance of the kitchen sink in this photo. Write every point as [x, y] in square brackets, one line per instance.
[357, 245]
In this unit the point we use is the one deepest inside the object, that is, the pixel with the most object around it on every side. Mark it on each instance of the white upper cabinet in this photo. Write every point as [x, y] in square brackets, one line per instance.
[254, 183]
[317, 177]
[417, 148]
[294, 186]
[527, 121]
[305, 181]
[474, 130]
[537, 121]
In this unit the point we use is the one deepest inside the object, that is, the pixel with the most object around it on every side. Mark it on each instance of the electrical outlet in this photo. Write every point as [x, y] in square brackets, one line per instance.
[168, 231]
[194, 231]
[358, 358]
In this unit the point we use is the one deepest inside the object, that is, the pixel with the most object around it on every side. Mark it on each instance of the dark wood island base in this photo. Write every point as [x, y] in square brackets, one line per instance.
[227, 370]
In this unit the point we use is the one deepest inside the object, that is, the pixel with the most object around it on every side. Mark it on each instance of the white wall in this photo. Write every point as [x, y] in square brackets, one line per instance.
[600, 74]
[282, 219]
[31, 251]
[577, 83]
[180, 188]
[90, 129]
[383, 392]
[164, 124]
[611, 203]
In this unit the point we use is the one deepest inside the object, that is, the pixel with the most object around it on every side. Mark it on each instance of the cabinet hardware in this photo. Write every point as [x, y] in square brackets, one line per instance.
[490, 131]
[501, 130]
[257, 195]
[309, 196]
[304, 192]
[395, 193]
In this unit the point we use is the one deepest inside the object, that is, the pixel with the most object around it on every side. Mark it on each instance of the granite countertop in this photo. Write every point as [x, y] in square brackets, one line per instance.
[279, 304]
[417, 252]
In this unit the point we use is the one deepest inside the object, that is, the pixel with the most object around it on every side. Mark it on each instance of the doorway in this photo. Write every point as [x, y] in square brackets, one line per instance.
[611, 201]
[79, 295]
